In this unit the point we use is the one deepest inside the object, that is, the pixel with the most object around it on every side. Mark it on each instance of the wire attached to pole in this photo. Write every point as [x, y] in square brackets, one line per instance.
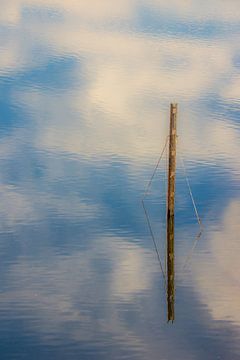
[146, 193]
[190, 192]
[197, 237]
[154, 242]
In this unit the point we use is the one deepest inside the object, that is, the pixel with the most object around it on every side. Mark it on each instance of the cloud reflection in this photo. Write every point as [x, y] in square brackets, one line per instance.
[128, 78]
[95, 88]
[57, 289]
[218, 279]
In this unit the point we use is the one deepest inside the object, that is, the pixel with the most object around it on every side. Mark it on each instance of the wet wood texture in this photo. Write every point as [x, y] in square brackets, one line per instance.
[170, 211]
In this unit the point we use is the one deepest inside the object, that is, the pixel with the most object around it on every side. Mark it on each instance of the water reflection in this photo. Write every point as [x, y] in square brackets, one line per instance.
[85, 91]
[222, 282]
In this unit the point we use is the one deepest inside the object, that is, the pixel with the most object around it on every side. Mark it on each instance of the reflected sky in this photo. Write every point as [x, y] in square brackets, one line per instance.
[85, 92]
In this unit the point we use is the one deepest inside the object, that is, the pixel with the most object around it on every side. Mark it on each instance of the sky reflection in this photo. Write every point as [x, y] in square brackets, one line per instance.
[85, 93]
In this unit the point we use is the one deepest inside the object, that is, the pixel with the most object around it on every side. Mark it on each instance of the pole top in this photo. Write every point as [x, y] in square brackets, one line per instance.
[174, 107]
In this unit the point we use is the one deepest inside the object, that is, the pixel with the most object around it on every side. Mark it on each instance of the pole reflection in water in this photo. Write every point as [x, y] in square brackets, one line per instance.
[169, 282]
[170, 211]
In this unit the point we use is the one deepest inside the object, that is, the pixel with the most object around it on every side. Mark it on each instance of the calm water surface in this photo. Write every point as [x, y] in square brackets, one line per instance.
[85, 88]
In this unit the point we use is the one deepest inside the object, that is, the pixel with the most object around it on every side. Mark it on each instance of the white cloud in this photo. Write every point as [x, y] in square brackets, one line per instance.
[15, 209]
[93, 10]
[97, 11]
[11, 12]
[217, 276]
[232, 91]
[128, 82]
[53, 288]
[26, 206]
[220, 10]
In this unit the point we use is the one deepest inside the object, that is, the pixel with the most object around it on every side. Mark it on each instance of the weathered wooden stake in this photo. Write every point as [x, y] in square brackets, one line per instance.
[170, 211]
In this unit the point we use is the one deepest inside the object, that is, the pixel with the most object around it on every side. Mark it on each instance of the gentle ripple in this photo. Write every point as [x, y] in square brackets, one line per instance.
[85, 93]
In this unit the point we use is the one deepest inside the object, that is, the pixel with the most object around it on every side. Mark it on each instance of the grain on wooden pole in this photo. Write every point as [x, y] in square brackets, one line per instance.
[170, 210]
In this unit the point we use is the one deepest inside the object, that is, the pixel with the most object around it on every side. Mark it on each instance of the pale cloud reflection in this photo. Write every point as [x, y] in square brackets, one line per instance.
[15, 209]
[133, 270]
[26, 206]
[107, 9]
[8, 62]
[12, 11]
[117, 90]
[129, 79]
[118, 107]
[218, 279]
[232, 91]
[193, 9]
[53, 288]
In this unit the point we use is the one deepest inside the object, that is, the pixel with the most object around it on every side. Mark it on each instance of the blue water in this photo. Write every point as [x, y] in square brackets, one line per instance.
[85, 89]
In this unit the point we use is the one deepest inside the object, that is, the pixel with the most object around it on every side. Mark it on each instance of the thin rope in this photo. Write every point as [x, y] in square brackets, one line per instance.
[197, 237]
[190, 192]
[190, 253]
[146, 213]
[154, 242]
[154, 172]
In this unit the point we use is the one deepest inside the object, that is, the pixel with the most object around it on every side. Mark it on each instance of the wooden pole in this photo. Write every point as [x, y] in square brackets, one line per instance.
[170, 210]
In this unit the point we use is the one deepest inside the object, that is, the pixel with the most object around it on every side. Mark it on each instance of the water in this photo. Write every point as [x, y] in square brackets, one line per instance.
[85, 93]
